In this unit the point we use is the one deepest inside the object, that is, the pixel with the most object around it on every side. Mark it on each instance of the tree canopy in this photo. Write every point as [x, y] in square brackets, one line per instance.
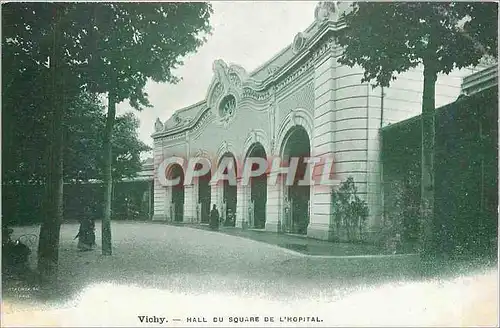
[25, 141]
[387, 38]
[100, 48]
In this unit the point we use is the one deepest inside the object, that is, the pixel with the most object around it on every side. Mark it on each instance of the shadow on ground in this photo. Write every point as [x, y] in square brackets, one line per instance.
[301, 244]
[194, 261]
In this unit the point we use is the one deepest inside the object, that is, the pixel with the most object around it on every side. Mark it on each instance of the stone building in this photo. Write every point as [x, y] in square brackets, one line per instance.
[301, 102]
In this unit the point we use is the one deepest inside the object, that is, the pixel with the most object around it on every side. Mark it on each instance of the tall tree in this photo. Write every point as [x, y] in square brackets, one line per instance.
[32, 33]
[392, 37]
[111, 48]
[125, 44]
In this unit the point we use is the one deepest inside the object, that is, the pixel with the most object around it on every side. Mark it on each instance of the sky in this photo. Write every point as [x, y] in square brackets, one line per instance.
[244, 33]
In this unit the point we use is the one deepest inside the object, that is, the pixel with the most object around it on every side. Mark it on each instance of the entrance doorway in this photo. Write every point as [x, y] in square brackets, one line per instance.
[204, 196]
[177, 209]
[258, 191]
[229, 193]
[296, 198]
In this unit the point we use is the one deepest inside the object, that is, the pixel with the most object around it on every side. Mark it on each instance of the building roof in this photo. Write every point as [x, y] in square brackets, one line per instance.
[326, 15]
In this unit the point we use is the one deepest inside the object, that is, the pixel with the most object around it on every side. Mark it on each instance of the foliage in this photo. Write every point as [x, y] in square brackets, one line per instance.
[402, 217]
[350, 211]
[111, 48]
[119, 46]
[391, 37]
[21, 204]
[154, 37]
[24, 160]
[108, 46]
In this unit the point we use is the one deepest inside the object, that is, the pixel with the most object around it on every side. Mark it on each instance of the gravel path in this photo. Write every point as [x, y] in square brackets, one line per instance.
[178, 272]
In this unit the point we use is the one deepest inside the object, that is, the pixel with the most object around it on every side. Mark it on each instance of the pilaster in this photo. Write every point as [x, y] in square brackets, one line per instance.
[325, 126]
[190, 203]
[242, 204]
[273, 208]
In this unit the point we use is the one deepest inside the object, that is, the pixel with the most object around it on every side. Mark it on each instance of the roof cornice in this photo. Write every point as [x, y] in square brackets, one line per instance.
[324, 29]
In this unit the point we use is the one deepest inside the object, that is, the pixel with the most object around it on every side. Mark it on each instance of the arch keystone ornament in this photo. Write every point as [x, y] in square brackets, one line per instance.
[224, 148]
[294, 117]
[201, 153]
[253, 135]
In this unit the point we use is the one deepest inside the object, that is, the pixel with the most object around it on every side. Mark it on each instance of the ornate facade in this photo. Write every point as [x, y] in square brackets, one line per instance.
[302, 102]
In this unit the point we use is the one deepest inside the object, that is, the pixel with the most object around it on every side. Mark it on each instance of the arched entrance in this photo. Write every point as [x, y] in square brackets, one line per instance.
[177, 204]
[204, 195]
[258, 190]
[229, 192]
[296, 198]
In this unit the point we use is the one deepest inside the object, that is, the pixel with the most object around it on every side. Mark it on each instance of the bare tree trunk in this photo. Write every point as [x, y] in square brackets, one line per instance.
[48, 246]
[427, 179]
[108, 176]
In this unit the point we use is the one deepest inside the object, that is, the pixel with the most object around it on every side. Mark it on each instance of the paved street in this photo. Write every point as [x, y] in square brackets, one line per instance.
[161, 269]
[194, 260]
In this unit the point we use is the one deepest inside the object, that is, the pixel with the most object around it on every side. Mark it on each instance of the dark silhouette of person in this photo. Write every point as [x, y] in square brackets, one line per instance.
[14, 253]
[86, 233]
[214, 218]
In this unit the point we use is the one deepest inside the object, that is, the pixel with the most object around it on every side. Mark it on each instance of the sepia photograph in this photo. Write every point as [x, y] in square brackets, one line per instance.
[249, 164]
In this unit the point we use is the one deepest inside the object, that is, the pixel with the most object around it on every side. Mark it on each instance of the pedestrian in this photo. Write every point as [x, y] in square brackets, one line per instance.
[230, 219]
[86, 233]
[15, 254]
[214, 218]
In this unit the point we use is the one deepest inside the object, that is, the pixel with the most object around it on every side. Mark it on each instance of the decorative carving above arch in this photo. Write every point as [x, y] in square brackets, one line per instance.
[168, 169]
[256, 136]
[201, 153]
[296, 117]
[224, 148]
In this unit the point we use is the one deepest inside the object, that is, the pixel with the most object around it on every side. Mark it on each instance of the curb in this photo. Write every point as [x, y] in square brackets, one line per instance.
[194, 226]
[299, 254]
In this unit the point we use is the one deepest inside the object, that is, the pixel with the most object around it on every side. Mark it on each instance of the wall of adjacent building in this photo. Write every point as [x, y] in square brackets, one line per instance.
[342, 117]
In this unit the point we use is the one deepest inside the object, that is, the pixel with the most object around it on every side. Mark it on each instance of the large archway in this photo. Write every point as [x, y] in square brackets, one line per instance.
[177, 209]
[296, 198]
[204, 195]
[229, 192]
[258, 190]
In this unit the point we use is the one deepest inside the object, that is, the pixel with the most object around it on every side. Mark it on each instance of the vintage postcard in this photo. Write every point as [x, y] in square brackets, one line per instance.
[249, 164]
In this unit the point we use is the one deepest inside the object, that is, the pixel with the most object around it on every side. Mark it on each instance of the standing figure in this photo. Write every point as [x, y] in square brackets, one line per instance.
[86, 233]
[15, 254]
[229, 218]
[214, 218]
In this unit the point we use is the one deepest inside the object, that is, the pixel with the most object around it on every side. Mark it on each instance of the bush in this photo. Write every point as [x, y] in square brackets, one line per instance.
[401, 221]
[350, 212]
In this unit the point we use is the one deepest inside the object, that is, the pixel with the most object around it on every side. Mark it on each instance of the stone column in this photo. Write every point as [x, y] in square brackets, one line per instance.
[160, 196]
[274, 207]
[190, 201]
[168, 204]
[243, 196]
[159, 203]
[216, 196]
[323, 144]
